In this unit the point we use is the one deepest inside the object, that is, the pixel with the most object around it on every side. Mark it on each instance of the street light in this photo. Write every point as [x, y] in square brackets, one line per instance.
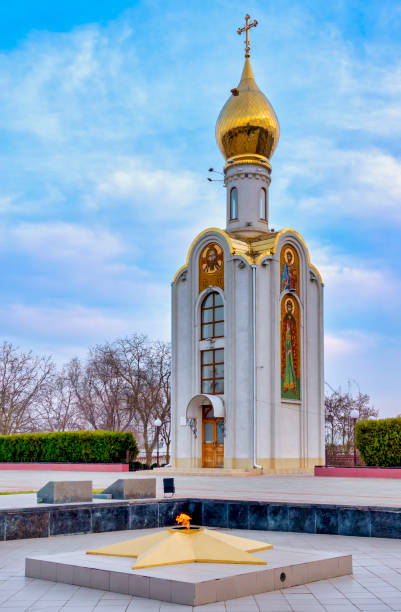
[354, 414]
[157, 423]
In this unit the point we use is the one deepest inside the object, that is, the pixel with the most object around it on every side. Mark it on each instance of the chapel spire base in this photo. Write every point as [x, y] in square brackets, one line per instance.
[247, 185]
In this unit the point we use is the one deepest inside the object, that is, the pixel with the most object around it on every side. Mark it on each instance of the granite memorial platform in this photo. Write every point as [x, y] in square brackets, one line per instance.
[190, 583]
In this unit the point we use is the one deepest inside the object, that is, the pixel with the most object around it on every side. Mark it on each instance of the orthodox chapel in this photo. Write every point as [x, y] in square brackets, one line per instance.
[247, 317]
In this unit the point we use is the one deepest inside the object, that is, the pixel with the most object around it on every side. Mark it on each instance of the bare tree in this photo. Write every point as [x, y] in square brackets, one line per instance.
[339, 424]
[162, 382]
[58, 410]
[23, 380]
[165, 434]
[101, 395]
[145, 368]
[123, 386]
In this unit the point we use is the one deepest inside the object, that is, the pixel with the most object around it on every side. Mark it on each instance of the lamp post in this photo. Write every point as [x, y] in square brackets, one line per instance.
[157, 424]
[354, 415]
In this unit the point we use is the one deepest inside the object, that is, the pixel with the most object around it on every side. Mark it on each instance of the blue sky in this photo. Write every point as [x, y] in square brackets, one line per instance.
[107, 114]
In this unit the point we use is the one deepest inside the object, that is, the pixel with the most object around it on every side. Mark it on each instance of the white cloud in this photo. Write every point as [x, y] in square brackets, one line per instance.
[57, 86]
[152, 190]
[341, 183]
[337, 347]
[352, 281]
[68, 323]
[356, 287]
[6, 203]
[370, 361]
[338, 82]
[66, 241]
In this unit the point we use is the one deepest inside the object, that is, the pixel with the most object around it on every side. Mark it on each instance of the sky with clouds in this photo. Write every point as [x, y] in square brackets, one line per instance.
[107, 114]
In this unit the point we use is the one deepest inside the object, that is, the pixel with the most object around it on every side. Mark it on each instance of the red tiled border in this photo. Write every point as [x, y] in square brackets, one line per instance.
[67, 467]
[358, 472]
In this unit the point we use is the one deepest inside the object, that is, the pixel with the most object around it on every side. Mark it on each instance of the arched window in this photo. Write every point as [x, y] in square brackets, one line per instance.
[263, 204]
[234, 203]
[212, 371]
[212, 316]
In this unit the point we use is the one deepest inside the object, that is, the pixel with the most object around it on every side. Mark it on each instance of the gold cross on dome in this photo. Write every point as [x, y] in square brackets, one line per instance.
[246, 29]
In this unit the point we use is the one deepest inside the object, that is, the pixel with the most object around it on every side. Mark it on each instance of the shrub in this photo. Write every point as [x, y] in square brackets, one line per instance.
[134, 466]
[69, 446]
[379, 442]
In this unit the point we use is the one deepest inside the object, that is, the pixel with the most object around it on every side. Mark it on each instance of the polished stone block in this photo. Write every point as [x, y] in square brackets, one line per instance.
[191, 583]
[70, 520]
[27, 524]
[354, 521]
[144, 516]
[215, 514]
[302, 519]
[274, 516]
[258, 516]
[194, 509]
[2, 527]
[277, 516]
[238, 515]
[168, 511]
[326, 519]
[66, 491]
[112, 518]
[385, 524]
[132, 488]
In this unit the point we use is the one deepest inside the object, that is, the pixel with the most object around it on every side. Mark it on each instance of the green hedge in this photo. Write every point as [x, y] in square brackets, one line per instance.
[379, 442]
[71, 446]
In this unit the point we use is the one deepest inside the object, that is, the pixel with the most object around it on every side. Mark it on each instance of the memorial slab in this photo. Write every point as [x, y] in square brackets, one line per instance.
[191, 583]
[135, 488]
[67, 491]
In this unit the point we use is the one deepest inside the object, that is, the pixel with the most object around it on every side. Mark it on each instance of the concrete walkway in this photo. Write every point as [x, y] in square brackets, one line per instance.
[285, 488]
[374, 587]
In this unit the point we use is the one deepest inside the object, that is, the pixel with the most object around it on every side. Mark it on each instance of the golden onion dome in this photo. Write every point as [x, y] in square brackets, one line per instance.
[247, 127]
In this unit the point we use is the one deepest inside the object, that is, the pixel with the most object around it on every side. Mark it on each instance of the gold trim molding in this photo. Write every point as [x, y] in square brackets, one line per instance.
[251, 251]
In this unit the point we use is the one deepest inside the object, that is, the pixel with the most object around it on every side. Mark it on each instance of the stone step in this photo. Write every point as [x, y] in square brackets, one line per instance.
[165, 471]
[201, 472]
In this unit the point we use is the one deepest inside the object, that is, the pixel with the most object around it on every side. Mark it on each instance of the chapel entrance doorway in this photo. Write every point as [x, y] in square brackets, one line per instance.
[212, 439]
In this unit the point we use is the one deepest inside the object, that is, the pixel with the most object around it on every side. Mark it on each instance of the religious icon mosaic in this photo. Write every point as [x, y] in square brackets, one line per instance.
[290, 349]
[211, 267]
[289, 267]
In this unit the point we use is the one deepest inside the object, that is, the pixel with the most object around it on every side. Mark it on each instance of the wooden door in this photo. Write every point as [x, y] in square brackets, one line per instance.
[212, 440]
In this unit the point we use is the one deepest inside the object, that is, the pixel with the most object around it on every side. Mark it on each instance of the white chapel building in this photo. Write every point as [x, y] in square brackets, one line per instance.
[247, 318]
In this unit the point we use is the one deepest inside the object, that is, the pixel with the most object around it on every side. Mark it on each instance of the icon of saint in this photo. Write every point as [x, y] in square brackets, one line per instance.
[289, 272]
[289, 350]
[211, 262]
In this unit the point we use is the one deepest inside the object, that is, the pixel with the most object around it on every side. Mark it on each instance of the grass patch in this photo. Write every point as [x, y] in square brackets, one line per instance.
[15, 492]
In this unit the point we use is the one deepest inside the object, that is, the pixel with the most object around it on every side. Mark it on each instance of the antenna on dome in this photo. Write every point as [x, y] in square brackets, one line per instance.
[214, 180]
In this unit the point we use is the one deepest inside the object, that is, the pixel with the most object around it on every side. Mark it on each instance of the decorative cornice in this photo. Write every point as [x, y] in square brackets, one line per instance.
[246, 176]
[246, 251]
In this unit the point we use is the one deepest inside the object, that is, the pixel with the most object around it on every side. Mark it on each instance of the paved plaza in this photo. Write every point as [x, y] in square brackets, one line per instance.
[304, 488]
[374, 587]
